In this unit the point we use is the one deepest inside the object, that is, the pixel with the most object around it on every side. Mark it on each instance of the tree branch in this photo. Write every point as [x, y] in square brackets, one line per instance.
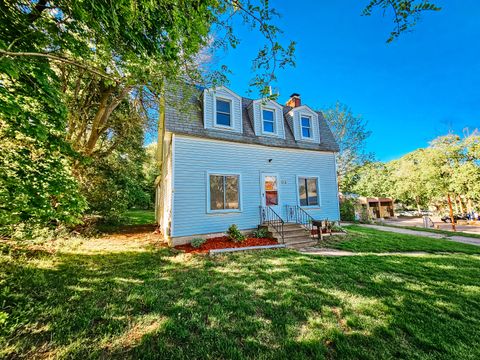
[61, 59]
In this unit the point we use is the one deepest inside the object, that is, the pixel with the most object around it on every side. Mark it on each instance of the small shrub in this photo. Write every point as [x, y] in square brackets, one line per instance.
[347, 210]
[234, 234]
[261, 233]
[364, 216]
[197, 242]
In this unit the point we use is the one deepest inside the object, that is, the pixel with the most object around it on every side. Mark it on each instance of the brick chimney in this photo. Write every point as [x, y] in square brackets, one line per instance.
[294, 100]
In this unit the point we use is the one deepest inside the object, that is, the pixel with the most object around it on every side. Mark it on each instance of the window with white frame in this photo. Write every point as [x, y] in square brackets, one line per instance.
[268, 121]
[223, 112]
[224, 192]
[306, 124]
[308, 191]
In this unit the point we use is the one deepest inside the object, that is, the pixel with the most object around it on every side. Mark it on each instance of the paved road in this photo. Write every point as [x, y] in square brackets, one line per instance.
[398, 230]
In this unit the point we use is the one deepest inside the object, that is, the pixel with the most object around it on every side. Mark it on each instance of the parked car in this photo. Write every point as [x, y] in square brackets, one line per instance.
[456, 217]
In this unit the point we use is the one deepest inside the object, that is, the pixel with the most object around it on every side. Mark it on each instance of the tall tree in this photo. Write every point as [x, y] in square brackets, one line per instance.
[374, 179]
[351, 134]
[93, 64]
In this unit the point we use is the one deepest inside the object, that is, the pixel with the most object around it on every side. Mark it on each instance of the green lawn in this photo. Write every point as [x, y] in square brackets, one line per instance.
[438, 231]
[134, 217]
[362, 239]
[154, 303]
[140, 217]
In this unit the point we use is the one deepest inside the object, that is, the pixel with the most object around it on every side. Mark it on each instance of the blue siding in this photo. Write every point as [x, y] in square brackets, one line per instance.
[193, 157]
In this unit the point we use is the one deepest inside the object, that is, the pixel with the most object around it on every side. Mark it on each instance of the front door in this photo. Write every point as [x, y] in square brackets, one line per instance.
[270, 195]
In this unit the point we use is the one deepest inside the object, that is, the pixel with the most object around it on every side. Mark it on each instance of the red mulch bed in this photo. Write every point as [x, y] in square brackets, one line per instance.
[224, 243]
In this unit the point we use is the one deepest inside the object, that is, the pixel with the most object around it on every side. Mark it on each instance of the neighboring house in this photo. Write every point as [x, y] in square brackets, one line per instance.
[241, 161]
[377, 208]
[371, 208]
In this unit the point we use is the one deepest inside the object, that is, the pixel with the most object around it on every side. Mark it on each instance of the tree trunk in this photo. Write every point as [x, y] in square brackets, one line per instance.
[451, 212]
[455, 203]
[462, 205]
[418, 204]
[469, 205]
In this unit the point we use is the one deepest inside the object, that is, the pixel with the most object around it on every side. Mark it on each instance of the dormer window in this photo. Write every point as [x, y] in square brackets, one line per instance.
[222, 110]
[223, 113]
[306, 122]
[267, 118]
[268, 121]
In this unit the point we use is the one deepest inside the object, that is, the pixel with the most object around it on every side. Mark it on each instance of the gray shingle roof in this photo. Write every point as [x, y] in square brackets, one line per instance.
[189, 121]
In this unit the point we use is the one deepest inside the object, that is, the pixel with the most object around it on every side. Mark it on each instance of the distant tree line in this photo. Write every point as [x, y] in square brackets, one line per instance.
[445, 175]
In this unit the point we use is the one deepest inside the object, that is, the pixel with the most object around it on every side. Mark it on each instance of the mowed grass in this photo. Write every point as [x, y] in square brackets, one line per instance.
[139, 217]
[151, 302]
[438, 231]
[362, 239]
[128, 220]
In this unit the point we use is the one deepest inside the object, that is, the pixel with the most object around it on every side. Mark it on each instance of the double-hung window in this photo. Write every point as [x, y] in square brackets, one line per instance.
[306, 123]
[223, 113]
[268, 119]
[308, 191]
[224, 192]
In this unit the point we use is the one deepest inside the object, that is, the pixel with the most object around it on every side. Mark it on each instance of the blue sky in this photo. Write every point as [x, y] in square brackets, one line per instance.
[423, 85]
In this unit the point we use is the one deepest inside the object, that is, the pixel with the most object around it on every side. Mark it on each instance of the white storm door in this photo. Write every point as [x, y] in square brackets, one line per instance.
[270, 191]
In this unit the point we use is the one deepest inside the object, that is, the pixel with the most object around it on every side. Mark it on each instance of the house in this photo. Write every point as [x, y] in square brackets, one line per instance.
[371, 207]
[377, 208]
[234, 160]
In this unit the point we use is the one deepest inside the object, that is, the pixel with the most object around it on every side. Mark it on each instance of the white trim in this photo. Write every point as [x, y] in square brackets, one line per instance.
[224, 88]
[336, 186]
[278, 120]
[303, 108]
[240, 191]
[310, 120]
[262, 183]
[172, 207]
[296, 114]
[274, 121]
[319, 197]
[232, 115]
[204, 109]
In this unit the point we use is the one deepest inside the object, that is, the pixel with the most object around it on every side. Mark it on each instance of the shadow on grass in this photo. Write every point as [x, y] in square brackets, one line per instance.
[271, 304]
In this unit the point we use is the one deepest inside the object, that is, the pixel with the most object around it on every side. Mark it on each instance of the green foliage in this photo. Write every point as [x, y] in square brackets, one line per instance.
[116, 184]
[374, 179]
[261, 233]
[347, 210]
[350, 132]
[406, 13]
[449, 165]
[234, 234]
[37, 186]
[197, 242]
[81, 79]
